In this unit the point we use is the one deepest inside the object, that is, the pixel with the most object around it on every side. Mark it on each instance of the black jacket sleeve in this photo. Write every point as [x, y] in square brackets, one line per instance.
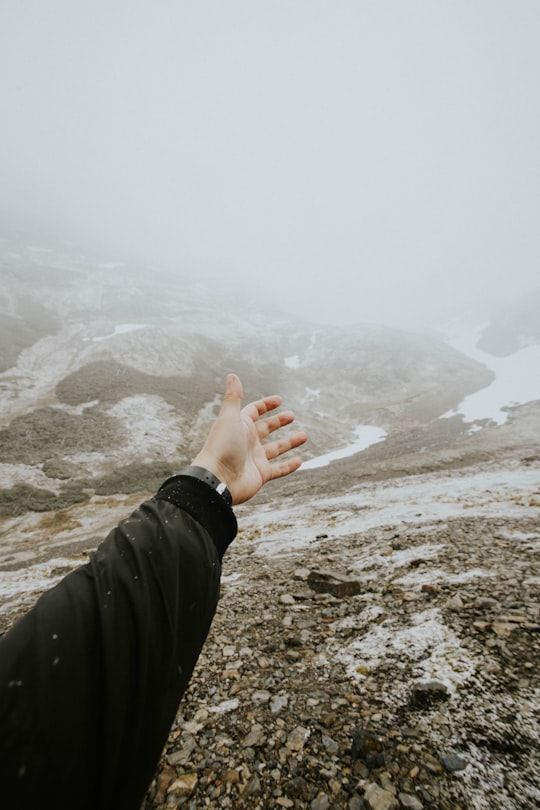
[91, 677]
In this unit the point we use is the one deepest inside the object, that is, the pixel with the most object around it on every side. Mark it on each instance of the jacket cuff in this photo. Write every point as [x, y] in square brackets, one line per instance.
[205, 505]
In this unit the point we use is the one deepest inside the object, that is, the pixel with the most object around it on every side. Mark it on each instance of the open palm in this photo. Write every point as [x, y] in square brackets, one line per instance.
[234, 450]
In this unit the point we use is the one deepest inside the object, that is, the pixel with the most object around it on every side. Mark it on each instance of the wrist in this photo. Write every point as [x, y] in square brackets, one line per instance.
[213, 465]
[208, 477]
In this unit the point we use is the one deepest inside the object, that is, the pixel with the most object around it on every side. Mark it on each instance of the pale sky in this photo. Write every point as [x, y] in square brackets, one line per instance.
[357, 160]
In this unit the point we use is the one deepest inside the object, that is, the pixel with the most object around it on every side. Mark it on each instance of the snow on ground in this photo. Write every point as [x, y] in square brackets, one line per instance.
[366, 435]
[155, 428]
[365, 514]
[419, 499]
[310, 395]
[517, 380]
[31, 581]
[427, 641]
[293, 361]
[121, 330]
[27, 539]
[13, 474]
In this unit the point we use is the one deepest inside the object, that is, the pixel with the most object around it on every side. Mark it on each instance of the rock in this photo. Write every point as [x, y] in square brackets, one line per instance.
[428, 587]
[486, 603]
[455, 603]
[184, 785]
[379, 799]
[320, 803]
[503, 628]
[182, 756]
[231, 777]
[296, 787]
[426, 694]
[410, 802]
[279, 702]
[262, 696]
[325, 582]
[297, 738]
[253, 787]
[331, 745]
[286, 599]
[254, 738]
[387, 783]
[432, 764]
[453, 762]
[367, 748]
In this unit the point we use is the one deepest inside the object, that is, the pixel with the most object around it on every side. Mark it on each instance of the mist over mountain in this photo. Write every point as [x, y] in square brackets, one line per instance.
[514, 326]
[107, 364]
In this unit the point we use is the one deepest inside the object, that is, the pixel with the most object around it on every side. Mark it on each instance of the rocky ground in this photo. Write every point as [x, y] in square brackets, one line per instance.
[408, 678]
[419, 691]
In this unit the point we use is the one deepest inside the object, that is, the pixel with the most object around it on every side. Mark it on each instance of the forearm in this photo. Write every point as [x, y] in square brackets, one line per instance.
[97, 668]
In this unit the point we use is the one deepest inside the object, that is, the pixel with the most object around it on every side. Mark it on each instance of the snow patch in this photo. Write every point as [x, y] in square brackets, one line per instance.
[434, 576]
[155, 428]
[310, 395]
[432, 646]
[517, 381]
[29, 581]
[122, 329]
[419, 499]
[366, 435]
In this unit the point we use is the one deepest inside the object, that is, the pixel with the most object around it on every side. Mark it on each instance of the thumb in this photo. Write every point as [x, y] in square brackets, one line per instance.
[232, 399]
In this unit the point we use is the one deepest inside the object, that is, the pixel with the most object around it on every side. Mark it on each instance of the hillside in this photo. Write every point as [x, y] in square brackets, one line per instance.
[111, 374]
[414, 687]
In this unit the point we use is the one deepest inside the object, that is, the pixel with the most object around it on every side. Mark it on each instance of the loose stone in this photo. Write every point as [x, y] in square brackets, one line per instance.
[184, 785]
[426, 694]
[379, 799]
[410, 802]
[297, 738]
[453, 762]
[320, 803]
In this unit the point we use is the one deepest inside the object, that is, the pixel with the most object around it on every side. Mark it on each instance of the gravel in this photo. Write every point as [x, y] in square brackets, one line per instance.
[287, 708]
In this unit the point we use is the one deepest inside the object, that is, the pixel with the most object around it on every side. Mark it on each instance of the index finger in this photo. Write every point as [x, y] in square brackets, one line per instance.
[262, 406]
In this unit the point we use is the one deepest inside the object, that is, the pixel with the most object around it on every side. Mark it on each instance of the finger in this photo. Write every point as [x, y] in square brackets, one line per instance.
[285, 467]
[262, 406]
[232, 397]
[268, 425]
[277, 448]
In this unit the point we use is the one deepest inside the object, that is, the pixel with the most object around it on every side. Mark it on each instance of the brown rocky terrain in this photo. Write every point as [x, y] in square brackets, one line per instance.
[414, 684]
[419, 691]
[376, 645]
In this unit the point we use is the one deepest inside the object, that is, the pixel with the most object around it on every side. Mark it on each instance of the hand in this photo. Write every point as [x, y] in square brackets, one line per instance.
[234, 451]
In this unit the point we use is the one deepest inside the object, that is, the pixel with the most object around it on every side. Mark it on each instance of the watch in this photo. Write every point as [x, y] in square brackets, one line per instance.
[202, 474]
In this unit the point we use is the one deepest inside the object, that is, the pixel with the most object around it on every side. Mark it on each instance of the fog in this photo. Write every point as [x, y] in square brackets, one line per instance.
[358, 161]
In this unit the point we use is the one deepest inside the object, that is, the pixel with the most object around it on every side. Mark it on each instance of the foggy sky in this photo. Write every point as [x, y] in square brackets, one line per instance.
[355, 159]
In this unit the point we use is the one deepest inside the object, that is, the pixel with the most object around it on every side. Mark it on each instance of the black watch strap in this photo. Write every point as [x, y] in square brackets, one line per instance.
[202, 474]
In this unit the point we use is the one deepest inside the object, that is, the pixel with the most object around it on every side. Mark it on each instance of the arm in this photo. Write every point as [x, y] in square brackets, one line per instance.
[91, 677]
